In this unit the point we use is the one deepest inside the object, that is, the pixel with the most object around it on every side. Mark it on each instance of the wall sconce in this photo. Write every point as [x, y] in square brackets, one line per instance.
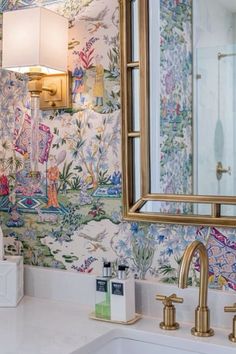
[35, 42]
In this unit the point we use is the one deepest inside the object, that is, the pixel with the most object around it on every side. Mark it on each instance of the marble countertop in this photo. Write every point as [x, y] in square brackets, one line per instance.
[40, 326]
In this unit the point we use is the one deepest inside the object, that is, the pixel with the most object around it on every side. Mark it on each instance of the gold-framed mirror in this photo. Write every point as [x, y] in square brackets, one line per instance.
[173, 72]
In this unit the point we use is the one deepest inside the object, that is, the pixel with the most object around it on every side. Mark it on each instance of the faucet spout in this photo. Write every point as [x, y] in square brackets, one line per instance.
[202, 313]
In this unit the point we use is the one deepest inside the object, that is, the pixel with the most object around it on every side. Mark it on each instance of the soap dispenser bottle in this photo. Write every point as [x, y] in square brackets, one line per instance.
[122, 296]
[102, 301]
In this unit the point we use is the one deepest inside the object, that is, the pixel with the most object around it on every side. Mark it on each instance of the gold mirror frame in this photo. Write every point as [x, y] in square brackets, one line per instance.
[131, 207]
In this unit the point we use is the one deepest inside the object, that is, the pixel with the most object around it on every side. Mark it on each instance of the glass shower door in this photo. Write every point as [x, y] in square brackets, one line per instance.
[214, 146]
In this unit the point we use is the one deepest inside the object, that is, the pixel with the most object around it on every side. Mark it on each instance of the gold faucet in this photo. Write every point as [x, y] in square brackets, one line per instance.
[169, 312]
[232, 336]
[202, 313]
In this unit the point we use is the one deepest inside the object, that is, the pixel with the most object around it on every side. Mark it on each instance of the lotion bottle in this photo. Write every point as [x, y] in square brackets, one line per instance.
[102, 300]
[122, 296]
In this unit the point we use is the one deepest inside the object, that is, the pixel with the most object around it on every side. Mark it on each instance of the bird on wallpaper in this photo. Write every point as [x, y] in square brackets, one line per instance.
[95, 243]
[95, 27]
[96, 22]
[99, 18]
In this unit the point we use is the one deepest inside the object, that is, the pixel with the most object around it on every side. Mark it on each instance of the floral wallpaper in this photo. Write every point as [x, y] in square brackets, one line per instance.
[176, 104]
[68, 215]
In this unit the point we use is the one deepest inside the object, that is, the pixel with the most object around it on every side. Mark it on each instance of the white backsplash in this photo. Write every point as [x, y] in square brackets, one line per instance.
[80, 289]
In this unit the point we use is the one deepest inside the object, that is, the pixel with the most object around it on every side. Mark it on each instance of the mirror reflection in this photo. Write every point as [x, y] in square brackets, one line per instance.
[215, 59]
[214, 95]
[171, 99]
[192, 103]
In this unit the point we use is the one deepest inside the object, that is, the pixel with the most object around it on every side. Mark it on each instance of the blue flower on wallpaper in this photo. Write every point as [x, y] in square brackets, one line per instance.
[160, 238]
[134, 227]
[12, 234]
[124, 227]
[128, 253]
[31, 234]
[154, 231]
[90, 158]
[116, 216]
[121, 245]
[169, 251]
[139, 238]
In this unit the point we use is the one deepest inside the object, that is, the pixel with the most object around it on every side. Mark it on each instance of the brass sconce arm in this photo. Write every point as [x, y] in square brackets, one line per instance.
[36, 87]
[54, 91]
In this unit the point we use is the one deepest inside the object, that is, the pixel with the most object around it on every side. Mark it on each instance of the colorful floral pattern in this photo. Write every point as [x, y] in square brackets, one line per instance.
[176, 104]
[86, 226]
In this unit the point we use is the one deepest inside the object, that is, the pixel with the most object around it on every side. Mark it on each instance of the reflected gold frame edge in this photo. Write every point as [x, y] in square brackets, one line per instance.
[124, 112]
[144, 95]
[181, 220]
[191, 198]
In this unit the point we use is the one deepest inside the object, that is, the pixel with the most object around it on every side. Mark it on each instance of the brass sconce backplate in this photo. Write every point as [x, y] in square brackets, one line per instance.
[61, 97]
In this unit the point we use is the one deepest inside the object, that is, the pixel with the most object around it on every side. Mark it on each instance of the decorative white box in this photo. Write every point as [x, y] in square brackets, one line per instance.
[11, 281]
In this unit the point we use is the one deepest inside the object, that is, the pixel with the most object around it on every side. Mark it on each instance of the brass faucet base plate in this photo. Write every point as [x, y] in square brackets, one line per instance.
[232, 338]
[169, 328]
[210, 333]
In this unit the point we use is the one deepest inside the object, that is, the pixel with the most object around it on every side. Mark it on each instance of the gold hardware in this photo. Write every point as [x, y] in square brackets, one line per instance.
[220, 170]
[232, 336]
[134, 135]
[202, 313]
[53, 90]
[215, 210]
[222, 55]
[35, 83]
[134, 64]
[169, 312]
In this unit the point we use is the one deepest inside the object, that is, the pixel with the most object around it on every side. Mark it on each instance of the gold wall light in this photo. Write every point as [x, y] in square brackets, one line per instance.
[35, 43]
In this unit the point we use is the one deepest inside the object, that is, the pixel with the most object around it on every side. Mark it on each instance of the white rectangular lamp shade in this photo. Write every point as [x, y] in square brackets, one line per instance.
[35, 39]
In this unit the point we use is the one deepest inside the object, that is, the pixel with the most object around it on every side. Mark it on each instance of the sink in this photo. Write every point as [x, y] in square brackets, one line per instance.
[131, 346]
[140, 342]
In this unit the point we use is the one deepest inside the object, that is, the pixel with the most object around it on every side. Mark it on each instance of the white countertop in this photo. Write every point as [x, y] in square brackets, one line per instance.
[39, 326]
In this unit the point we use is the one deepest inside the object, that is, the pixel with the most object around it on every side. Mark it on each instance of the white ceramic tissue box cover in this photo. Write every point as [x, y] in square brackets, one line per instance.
[11, 281]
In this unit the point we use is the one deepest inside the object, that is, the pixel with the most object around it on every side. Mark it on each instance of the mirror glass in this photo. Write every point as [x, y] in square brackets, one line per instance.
[214, 98]
[135, 100]
[136, 169]
[135, 30]
[215, 74]
[175, 208]
[192, 102]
